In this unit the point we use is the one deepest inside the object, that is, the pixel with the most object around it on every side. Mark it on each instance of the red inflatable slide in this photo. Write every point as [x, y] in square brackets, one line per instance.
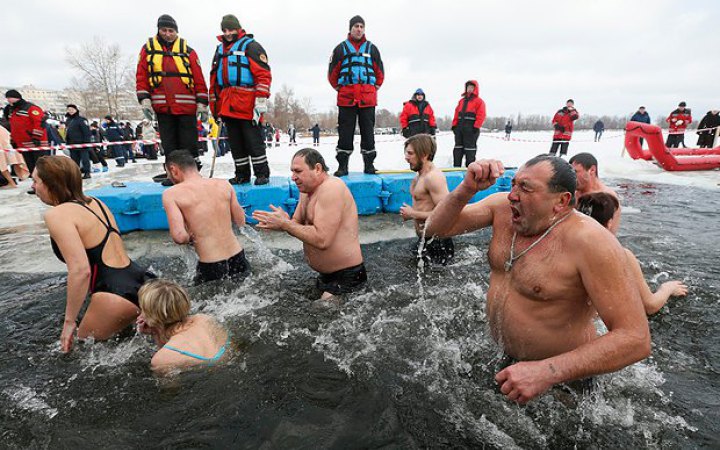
[671, 159]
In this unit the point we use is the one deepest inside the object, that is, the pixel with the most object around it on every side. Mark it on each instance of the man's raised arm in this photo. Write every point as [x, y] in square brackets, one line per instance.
[452, 216]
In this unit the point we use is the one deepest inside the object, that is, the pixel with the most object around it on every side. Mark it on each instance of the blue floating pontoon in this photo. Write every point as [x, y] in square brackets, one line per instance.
[138, 206]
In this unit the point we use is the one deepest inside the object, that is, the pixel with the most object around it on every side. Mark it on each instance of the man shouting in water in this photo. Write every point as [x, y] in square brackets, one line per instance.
[550, 270]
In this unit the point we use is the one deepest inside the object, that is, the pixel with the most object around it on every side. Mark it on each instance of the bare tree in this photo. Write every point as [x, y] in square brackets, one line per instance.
[105, 74]
[286, 110]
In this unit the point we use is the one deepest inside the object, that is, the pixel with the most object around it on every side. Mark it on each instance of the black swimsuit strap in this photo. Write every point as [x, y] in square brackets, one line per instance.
[107, 218]
[106, 222]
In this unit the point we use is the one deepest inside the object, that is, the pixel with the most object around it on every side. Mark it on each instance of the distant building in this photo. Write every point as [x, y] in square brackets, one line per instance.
[56, 101]
[49, 100]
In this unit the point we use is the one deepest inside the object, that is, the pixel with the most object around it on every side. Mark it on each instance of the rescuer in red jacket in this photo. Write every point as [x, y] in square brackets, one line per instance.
[563, 123]
[469, 117]
[239, 88]
[170, 84]
[26, 128]
[679, 121]
[356, 73]
[417, 116]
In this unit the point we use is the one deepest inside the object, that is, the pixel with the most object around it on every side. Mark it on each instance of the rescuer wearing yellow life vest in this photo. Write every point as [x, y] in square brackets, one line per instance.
[171, 86]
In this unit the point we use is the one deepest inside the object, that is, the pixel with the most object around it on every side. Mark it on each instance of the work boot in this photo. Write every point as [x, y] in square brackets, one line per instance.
[105, 168]
[368, 159]
[259, 181]
[167, 182]
[342, 159]
[120, 161]
[86, 176]
[237, 179]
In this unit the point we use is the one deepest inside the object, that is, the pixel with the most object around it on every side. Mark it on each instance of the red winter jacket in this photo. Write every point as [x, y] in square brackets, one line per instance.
[677, 116]
[236, 101]
[26, 129]
[411, 118]
[563, 123]
[172, 95]
[362, 95]
[470, 109]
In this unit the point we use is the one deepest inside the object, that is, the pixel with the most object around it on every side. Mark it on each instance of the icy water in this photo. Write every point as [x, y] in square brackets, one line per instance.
[406, 363]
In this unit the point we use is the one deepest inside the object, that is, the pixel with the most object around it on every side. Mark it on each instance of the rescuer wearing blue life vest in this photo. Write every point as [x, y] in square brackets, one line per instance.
[239, 88]
[356, 72]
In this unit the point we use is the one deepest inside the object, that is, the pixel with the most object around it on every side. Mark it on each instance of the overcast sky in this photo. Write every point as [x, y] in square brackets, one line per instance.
[528, 56]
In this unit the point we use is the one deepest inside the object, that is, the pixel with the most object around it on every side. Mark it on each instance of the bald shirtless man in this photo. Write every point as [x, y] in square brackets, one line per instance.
[326, 221]
[201, 212]
[427, 189]
[546, 261]
[588, 182]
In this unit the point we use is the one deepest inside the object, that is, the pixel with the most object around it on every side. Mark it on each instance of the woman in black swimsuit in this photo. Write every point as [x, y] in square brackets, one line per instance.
[84, 235]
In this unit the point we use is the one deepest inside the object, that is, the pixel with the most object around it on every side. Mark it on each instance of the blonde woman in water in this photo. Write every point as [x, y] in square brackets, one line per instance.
[185, 340]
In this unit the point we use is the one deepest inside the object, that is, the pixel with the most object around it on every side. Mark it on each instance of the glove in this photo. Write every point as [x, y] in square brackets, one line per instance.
[147, 109]
[559, 128]
[453, 128]
[36, 142]
[433, 131]
[261, 105]
[202, 112]
[406, 132]
[679, 122]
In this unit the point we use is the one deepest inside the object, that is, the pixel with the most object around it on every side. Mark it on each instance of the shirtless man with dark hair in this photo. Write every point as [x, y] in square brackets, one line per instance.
[326, 221]
[202, 211]
[427, 189]
[546, 261]
[588, 182]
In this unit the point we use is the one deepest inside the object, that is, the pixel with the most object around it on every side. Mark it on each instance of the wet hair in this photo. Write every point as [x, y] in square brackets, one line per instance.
[62, 178]
[601, 206]
[311, 157]
[423, 144]
[586, 160]
[181, 158]
[563, 178]
[163, 303]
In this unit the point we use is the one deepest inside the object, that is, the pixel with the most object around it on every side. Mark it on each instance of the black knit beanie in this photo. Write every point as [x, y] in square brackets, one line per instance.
[12, 93]
[356, 19]
[165, 21]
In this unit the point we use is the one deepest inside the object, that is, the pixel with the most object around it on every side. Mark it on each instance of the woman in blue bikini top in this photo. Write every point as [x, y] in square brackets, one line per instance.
[185, 340]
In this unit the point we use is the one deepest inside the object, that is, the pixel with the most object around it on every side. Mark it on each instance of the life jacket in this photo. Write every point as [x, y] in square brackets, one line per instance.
[356, 66]
[421, 115]
[180, 54]
[235, 60]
